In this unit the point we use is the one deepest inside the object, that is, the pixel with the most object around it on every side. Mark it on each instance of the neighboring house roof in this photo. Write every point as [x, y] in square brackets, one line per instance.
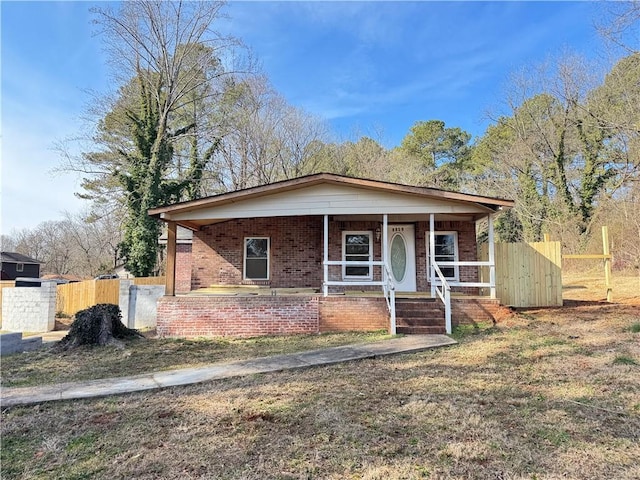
[13, 257]
[331, 194]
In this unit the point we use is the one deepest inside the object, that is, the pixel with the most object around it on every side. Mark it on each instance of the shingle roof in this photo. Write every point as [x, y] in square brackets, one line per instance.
[316, 178]
[194, 214]
[13, 257]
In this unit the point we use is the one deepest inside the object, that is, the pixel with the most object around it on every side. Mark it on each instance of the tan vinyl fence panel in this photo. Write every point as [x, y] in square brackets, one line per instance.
[73, 297]
[527, 274]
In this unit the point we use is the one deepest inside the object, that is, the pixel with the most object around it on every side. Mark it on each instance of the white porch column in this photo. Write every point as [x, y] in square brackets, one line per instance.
[492, 257]
[385, 240]
[385, 275]
[325, 269]
[432, 252]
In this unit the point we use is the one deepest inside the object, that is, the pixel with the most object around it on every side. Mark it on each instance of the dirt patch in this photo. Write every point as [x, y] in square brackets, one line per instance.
[62, 324]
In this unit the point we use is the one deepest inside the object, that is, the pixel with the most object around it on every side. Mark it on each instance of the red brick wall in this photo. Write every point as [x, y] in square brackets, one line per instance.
[284, 315]
[296, 252]
[468, 311]
[237, 316]
[340, 314]
[183, 268]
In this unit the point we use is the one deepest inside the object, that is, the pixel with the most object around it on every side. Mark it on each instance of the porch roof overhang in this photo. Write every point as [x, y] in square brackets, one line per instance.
[330, 194]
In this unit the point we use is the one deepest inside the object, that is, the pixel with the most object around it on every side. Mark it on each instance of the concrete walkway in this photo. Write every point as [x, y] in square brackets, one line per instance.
[113, 386]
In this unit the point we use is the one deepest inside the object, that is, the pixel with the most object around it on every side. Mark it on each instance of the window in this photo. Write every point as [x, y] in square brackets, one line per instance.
[446, 249]
[356, 247]
[19, 267]
[256, 258]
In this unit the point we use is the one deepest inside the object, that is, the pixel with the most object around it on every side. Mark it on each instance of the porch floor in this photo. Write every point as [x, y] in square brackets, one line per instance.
[256, 290]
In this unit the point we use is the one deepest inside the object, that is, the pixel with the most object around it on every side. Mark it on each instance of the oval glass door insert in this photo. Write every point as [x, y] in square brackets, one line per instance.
[398, 254]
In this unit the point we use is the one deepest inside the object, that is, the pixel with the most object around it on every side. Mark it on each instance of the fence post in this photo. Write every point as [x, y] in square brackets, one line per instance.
[607, 262]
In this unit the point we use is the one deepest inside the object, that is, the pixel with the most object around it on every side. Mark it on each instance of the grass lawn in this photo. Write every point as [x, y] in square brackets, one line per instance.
[547, 394]
[154, 354]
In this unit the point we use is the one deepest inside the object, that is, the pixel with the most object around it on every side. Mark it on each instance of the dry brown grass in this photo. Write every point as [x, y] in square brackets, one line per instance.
[544, 395]
[155, 354]
[590, 286]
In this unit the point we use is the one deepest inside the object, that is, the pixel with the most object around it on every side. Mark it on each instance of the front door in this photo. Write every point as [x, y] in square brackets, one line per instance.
[402, 256]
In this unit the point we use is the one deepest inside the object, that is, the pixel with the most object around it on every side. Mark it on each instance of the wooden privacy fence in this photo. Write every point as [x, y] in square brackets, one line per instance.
[73, 297]
[527, 274]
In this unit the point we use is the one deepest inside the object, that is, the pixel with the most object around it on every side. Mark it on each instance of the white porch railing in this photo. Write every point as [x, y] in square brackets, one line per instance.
[454, 283]
[389, 290]
[388, 287]
[444, 292]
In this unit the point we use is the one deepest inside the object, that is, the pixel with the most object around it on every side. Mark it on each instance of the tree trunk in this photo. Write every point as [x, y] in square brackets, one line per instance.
[98, 325]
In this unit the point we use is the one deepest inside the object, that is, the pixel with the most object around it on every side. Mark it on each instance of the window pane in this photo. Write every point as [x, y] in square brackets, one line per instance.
[257, 248]
[357, 250]
[356, 271]
[357, 239]
[445, 245]
[448, 272]
[256, 269]
[357, 244]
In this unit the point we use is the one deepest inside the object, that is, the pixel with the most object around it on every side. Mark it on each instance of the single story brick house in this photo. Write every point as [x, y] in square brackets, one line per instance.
[327, 252]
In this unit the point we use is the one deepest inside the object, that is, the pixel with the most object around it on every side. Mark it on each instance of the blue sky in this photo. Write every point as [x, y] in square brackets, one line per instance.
[368, 68]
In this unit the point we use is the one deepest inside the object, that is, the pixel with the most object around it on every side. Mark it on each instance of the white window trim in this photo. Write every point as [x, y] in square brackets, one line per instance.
[244, 259]
[456, 256]
[346, 277]
[19, 267]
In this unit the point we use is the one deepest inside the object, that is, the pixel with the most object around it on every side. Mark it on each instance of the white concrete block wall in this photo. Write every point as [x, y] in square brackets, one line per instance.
[142, 305]
[49, 292]
[123, 302]
[29, 309]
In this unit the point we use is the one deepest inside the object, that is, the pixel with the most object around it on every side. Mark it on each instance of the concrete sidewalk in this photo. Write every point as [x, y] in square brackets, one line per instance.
[113, 386]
